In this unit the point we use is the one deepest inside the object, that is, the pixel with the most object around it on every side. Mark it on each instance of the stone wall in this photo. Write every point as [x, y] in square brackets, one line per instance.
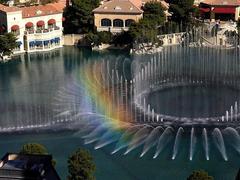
[72, 39]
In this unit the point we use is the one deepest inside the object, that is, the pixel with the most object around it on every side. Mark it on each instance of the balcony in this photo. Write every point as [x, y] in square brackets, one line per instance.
[112, 29]
[43, 34]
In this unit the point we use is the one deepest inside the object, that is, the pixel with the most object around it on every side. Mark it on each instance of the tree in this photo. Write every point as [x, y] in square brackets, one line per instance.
[81, 166]
[143, 31]
[99, 37]
[8, 42]
[182, 11]
[146, 29]
[35, 148]
[154, 12]
[238, 175]
[199, 175]
[79, 16]
[238, 26]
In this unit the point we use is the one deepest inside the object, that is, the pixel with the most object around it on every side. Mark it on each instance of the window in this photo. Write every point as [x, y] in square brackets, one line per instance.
[117, 23]
[106, 22]
[128, 22]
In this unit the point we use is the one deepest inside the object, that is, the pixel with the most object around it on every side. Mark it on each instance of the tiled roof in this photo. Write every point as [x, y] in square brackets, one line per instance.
[118, 6]
[32, 11]
[42, 10]
[8, 9]
[222, 2]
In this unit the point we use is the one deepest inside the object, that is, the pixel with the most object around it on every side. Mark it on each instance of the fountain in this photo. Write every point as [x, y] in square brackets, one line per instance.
[151, 103]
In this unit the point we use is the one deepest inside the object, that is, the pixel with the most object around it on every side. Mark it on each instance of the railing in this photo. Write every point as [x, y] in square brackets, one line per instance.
[171, 39]
[112, 29]
[41, 31]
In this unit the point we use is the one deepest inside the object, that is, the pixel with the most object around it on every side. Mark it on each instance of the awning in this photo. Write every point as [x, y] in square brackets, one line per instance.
[38, 42]
[45, 42]
[15, 28]
[57, 39]
[225, 10]
[204, 9]
[40, 23]
[32, 43]
[51, 21]
[29, 25]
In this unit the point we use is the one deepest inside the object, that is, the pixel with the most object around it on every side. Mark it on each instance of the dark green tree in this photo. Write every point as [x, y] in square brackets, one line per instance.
[146, 29]
[8, 42]
[35, 148]
[199, 175]
[154, 12]
[98, 38]
[238, 175]
[81, 166]
[183, 12]
[143, 31]
[79, 16]
[238, 26]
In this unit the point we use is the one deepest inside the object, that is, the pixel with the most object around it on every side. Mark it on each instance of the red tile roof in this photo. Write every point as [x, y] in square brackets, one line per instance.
[32, 11]
[8, 9]
[222, 2]
[42, 10]
[118, 6]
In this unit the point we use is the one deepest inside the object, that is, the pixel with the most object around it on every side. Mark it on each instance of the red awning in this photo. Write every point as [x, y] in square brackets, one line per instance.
[51, 21]
[15, 28]
[29, 25]
[205, 10]
[225, 10]
[40, 23]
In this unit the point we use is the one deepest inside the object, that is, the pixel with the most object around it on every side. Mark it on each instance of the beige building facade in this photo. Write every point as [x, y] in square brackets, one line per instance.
[115, 22]
[116, 16]
[37, 28]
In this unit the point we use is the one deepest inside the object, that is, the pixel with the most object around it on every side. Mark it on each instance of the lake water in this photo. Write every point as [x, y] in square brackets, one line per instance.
[31, 84]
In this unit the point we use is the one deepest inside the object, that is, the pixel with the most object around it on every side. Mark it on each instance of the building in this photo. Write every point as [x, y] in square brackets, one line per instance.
[220, 9]
[31, 167]
[37, 28]
[117, 15]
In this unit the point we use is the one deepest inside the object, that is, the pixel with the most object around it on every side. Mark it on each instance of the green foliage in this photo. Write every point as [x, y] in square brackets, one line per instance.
[79, 16]
[146, 29]
[33, 148]
[123, 38]
[199, 175]
[7, 44]
[182, 12]
[143, 31]
[43, 2]
[154, 12]
[3, 1]
[99, 37]
[238, 26]
[81, 166]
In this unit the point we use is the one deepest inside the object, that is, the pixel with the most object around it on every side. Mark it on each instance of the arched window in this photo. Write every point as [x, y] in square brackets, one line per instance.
[128, 22]
[117, 23]
[15, 30]
[106, 22]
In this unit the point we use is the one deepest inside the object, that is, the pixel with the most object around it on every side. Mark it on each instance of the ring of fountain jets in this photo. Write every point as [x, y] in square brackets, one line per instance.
[109, 104]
